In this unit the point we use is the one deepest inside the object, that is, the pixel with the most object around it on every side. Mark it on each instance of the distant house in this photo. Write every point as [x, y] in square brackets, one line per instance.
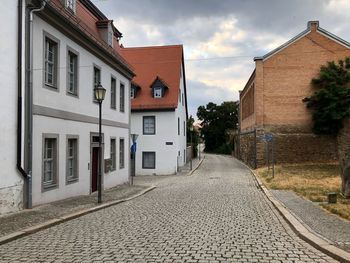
[74, 48]
[158, 108]
[271, 101]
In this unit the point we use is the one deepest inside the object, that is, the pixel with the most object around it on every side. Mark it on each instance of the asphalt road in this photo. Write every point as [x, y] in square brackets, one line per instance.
[216, 215]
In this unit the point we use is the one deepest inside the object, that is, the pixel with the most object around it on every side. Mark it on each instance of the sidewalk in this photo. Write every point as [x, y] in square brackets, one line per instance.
[27, 221]
[326, 225]
[22, 223]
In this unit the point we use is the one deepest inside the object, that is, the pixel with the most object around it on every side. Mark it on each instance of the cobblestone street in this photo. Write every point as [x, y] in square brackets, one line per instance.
[216, 215]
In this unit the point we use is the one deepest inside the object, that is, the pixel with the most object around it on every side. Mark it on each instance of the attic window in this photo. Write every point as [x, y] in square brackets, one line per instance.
[157, 92]
[133, 91]
[110, 36]
[159, 88]
[71, 5]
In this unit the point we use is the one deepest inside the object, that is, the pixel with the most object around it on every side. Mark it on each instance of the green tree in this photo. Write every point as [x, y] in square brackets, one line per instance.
[330, 104]
[216, 121]
[194, 134]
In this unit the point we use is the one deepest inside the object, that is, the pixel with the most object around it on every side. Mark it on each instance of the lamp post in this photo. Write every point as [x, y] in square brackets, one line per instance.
[100, 93]
[191, 131]
[133, 155]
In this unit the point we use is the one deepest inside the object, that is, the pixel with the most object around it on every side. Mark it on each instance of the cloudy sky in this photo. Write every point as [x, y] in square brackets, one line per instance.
[221, 37]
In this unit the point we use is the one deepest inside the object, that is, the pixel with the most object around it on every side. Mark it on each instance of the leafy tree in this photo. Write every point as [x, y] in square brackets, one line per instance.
[195, 136]
[217, 120]
[331, 101]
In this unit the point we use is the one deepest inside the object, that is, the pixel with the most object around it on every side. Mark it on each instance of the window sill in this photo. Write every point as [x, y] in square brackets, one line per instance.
[49, 187]
[72, 181]
[51, 87]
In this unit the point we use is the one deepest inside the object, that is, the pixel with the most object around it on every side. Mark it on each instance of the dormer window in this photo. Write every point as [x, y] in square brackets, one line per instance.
[157, 92]
[106, 30]
[110, 36]
[71, 5]
[134, 89]
[158, 88]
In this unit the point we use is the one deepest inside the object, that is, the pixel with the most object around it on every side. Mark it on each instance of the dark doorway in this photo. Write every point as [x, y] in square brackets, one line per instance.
[94, 169]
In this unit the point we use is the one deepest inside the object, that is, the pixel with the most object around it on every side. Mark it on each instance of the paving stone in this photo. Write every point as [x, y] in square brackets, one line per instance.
[216, 215]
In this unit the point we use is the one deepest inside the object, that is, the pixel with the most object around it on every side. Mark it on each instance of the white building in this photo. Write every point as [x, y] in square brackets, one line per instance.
[74, 47]
[159, 108]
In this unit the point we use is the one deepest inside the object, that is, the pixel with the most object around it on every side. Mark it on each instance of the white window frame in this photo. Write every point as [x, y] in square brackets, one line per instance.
[71, 5]
[113, 154]
[113, 93]
[96, 79]
[51, 55]
[74, 157]
[53, 159]
[144, 166]
[122, 97]
[157, 92]
[72, 73]
[121, 153]
[149, 125]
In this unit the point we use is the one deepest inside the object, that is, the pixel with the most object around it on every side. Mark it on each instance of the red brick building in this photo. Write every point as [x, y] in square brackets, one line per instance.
[271, 101]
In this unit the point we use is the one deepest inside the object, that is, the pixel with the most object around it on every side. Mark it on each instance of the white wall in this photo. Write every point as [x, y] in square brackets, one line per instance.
[63, 128]
[84, 105]
[166, 131]
[168, 157]
[10, 180]
[181, 113]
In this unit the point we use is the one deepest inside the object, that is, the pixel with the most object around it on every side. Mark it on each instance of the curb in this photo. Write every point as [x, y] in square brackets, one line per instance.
[65, 218]
[299, 227]
[193, 170]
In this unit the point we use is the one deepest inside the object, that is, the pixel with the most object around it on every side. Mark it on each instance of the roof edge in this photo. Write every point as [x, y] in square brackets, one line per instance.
[310, 24]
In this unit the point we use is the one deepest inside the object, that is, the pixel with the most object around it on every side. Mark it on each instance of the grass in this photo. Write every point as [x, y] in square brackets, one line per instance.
[311, 181]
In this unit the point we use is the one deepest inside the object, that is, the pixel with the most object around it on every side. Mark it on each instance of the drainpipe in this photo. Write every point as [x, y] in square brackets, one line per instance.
[19, 101]
[28, 153]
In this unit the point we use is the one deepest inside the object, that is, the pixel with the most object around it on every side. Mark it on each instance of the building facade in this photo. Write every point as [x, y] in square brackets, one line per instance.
[70, 48]
[159, 108]
[271, 101]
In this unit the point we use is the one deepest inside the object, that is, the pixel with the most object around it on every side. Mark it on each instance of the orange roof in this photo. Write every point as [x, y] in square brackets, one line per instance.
[149, 63]
[87, 18]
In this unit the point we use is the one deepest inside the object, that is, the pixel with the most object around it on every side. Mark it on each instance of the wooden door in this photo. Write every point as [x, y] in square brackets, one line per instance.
[94, 169]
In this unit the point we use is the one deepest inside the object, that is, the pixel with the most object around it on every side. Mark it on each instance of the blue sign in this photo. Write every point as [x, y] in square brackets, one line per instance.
[268, 137]
[133, 148]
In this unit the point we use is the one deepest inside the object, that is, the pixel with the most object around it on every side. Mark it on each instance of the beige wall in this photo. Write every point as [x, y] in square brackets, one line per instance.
[287, 76]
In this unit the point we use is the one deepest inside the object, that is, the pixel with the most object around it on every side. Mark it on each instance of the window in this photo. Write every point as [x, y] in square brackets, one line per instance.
[157, 92]
[148, 160]
[49, 162]
[132, 93]
[113, 93]
[121, 154]
[51, 56]
[149, 125]
[71, 5]
[122, 97]
[72, 159]
[178, 126]
[113, 159]
[97, 80]
[110, 36]
[72, 73]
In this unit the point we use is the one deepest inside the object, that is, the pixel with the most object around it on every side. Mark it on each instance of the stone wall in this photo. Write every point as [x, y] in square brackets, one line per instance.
[344, 140]
[290, 146]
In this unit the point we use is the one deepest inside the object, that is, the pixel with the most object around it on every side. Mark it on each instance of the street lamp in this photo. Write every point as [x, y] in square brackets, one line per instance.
[100, 93]
[191, 131]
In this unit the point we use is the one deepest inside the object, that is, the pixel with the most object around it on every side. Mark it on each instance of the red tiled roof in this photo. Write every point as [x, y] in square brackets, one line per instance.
[149, 63]
[87, 18]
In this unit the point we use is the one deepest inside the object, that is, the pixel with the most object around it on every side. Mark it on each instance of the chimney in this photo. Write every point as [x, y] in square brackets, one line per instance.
[312, 25]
